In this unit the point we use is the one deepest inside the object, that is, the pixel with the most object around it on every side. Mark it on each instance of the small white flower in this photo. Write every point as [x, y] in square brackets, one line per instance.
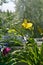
[25, 38]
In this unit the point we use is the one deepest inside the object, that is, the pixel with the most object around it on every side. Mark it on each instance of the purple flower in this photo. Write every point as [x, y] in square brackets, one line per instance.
[6, 51]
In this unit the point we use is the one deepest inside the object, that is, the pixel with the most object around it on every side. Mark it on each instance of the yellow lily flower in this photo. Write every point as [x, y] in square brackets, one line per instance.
[26, 24]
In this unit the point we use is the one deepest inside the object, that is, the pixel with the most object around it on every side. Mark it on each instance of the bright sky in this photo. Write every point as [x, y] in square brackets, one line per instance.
[8, 6]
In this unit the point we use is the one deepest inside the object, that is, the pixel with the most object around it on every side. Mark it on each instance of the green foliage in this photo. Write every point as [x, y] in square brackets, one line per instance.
[31, 55]
[31, 10]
